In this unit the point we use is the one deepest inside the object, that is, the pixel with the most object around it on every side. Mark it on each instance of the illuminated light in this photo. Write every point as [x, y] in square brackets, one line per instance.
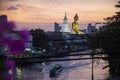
[75, 26]
[33, 51]
[27, 49]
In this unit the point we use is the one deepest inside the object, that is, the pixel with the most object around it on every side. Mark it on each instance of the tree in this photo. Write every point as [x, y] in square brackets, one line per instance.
[109, 41]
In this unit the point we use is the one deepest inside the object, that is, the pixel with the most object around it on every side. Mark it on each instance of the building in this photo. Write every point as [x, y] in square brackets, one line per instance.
[57, 28]
[65, 43]
[91, 29]
[39, 39]
[29, 44]
[102, 28]
[3, 22]
[65, 25]
[3, 18]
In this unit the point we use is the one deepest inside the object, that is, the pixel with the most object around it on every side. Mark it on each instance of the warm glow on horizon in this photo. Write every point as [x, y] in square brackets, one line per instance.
[50, 11]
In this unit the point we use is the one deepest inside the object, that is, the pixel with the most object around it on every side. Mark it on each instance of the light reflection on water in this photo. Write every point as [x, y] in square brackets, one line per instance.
[73, 70]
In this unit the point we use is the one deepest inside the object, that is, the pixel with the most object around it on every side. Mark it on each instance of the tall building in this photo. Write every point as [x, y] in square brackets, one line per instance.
[57, 28]
[3, 21]
[91, 29]
[3, 18]
[65, 25]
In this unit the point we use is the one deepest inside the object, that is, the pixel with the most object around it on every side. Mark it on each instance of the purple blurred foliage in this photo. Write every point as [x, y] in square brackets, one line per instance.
[14, 46]
[1, 28]
[10, 26]
[10, 65]
[6, 27]
[8, 76]
[24, 34]
[6, 41]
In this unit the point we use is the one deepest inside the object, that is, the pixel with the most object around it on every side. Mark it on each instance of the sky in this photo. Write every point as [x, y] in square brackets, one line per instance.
[43, 13]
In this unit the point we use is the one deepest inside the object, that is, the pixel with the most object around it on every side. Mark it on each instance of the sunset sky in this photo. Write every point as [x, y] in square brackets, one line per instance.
[43, 13]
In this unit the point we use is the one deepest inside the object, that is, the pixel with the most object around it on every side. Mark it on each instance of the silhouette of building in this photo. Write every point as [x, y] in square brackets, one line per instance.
[91, 29]
[3, 21]
[57, 28]
[65, 43]
[65, 25]
[39, 39]
[3, 18]
[5, 25]
[102, 28]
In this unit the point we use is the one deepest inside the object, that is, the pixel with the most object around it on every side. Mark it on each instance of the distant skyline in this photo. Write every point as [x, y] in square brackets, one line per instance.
[50, 11]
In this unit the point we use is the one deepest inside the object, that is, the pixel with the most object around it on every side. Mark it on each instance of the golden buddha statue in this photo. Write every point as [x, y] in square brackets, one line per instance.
[75, 26]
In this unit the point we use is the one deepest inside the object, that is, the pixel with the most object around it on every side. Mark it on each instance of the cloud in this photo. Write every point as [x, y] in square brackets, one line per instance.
[12, 8]
[19, 5]
[9, 0]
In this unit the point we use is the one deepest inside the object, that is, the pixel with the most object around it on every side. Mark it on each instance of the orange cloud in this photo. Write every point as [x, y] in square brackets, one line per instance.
[53, 10]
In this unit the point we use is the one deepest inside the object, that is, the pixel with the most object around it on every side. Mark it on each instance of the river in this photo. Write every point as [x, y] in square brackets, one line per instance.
[73, 70]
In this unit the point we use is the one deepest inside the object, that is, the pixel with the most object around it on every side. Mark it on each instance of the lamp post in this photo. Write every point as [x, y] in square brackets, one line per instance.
[92, 68]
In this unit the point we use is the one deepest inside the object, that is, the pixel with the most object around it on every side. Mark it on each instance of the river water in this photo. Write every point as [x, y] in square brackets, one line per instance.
[73, 70]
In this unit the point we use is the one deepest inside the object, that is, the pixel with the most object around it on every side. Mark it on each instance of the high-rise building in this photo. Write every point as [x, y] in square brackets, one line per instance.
[57, 28]
[65, 25]
[3, 21]
[3, 18]
[91, 28]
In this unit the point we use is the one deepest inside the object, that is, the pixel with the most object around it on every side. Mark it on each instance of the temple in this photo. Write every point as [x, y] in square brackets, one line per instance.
[65, 25]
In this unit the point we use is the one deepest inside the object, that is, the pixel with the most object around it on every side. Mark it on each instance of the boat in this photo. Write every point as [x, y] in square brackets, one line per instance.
[56, 70]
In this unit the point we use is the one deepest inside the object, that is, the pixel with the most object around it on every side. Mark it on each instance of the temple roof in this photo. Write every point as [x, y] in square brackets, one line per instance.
[65, 18]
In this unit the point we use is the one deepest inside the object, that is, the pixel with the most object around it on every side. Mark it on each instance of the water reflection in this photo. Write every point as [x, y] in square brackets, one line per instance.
[73, 70]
